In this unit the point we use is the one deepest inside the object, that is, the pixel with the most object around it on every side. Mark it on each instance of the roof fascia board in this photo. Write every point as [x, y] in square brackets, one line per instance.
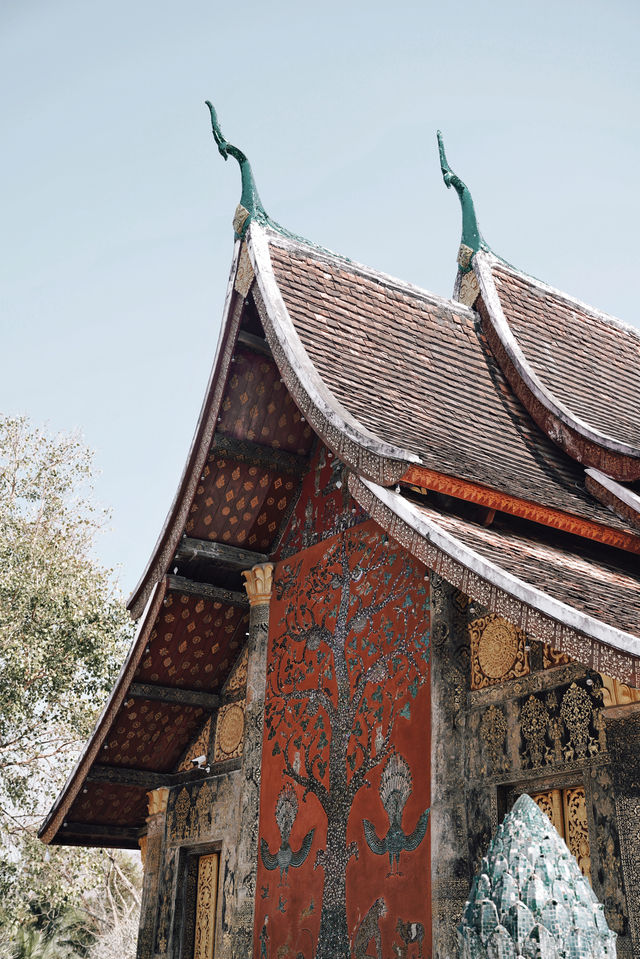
[525, 509]
[586, 639]
[357, 446]
[72, 787]
[203, 436]
[527, 385]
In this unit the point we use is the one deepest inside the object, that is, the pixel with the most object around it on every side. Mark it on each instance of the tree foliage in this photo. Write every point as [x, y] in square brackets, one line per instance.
[63, 633]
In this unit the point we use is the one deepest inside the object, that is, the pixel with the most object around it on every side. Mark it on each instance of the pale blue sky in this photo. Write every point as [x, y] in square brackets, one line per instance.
[116, 206]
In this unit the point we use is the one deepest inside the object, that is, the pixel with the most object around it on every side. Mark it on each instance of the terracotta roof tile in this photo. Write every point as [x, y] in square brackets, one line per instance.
[597, 580]
[589, 361]
[420, 376]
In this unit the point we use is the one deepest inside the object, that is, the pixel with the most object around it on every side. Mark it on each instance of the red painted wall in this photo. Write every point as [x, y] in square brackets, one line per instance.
[346, 757]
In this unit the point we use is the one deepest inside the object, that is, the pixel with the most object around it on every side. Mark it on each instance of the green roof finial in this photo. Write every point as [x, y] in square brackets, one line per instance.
[250, 206]
[471, 236]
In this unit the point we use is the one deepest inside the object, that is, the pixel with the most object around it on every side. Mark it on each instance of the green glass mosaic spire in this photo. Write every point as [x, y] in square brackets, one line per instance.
[529, 898]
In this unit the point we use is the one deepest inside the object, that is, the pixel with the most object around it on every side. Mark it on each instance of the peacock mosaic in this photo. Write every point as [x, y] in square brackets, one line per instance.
[343, 866]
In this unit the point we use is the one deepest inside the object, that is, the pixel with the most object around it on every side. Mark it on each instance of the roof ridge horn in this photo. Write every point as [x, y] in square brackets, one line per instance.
[471, 239]
[250, 206]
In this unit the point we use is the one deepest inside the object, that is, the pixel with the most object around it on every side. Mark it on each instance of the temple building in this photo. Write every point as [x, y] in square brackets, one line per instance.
[398, 589]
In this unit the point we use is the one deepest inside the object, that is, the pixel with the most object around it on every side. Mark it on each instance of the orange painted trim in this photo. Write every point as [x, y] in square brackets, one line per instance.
[544, 515]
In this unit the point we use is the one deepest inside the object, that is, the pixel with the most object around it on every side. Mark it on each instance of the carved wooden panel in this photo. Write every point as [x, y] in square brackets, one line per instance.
[498, 651]
[567, 810]
[576, 827]
[551, 657]
[205, 925]
[550, 802]
[238, 678]
[615, 693]
[229, 732]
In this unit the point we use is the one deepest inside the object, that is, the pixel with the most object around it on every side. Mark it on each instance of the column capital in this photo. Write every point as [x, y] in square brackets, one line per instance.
[158, 800]
[258, 584]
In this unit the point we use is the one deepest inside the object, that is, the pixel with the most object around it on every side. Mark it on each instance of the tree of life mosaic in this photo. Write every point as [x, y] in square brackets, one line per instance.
[344, 849]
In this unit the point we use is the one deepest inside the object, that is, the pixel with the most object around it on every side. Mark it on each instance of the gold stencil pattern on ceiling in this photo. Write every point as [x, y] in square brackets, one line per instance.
[199, 747]
[567, 810]
[241, 497]
[206, 901]
[498, 651]
[615, 693]
[229, 732]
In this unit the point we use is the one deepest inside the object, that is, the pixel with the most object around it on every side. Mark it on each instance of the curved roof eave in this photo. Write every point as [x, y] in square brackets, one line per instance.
[357, 446]
[576, 437]
[171, 531]
[69, 792]
[589, 640]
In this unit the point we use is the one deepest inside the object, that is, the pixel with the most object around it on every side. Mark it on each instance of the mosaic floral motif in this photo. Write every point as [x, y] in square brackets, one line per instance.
[324, 507]
[346, 682]
[530, 899]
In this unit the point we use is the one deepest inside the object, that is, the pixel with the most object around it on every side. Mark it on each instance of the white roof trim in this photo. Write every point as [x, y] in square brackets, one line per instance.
[309, 380]
[620, 492]
[531, 596]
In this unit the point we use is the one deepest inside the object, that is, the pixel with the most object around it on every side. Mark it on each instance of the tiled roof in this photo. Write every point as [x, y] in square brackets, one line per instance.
[415, 370]
[590, 362]
[598, 580]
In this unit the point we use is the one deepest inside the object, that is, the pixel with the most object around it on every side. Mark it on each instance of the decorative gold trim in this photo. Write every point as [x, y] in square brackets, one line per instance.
[258, 584]
[498, 651]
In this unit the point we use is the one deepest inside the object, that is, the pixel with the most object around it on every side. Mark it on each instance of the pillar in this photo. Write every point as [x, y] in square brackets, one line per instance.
[258, 586]
[151, 846]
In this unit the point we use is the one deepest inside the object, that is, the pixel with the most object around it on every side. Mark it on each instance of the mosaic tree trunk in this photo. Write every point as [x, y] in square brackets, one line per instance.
[349, 660]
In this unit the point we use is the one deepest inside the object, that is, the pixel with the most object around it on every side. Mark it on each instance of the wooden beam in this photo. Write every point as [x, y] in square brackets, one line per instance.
[171, 694]
[244, 451]
[256, 343]
[227, 596]
[231, 557]
[97, 831]
[126, 776]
